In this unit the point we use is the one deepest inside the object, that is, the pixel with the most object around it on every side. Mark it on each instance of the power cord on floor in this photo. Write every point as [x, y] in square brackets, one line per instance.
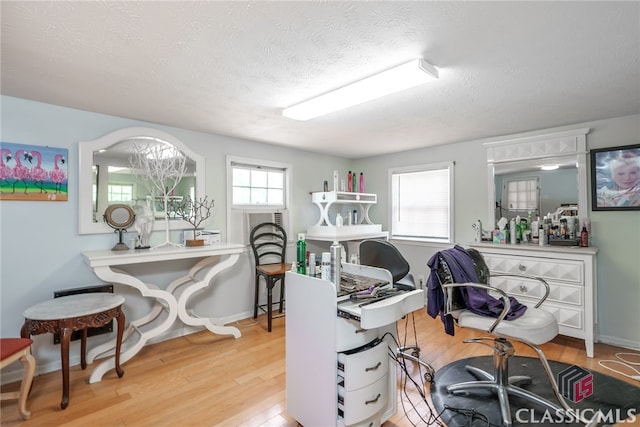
[622, 361]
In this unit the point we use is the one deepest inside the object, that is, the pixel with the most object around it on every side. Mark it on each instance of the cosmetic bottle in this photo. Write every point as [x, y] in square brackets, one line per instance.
[355, 182]
[301, 254]
[355, 217]
[349, 182]
[325, 266]
[361, 182]
[336, 264]
[513, 235]
[584, 237]
[312, 265]
[336, 181]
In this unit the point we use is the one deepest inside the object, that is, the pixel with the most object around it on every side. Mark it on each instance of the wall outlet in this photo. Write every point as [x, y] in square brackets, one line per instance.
[421, 281]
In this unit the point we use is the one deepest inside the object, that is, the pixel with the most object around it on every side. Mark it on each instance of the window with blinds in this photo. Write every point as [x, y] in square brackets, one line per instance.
[421, 203]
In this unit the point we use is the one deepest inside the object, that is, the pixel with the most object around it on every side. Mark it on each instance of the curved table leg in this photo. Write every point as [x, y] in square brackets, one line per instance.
[65, 338]
[121, 322]
[169, 302]
[198, 284]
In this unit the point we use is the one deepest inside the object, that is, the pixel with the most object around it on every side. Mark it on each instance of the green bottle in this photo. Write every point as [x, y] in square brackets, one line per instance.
[302, 255]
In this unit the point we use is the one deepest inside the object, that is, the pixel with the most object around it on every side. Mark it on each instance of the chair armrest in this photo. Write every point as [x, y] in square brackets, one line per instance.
[503, 296]
[526, 276]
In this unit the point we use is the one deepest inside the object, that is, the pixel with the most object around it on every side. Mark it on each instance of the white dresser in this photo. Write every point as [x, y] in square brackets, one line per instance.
[570, 272]
[339, 372]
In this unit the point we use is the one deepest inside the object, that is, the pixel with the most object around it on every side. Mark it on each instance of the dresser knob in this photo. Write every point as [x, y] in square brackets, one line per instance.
[522, 267]
[523, 289]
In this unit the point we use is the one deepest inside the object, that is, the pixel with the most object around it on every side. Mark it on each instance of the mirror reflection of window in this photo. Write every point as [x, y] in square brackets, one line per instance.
[522, 195]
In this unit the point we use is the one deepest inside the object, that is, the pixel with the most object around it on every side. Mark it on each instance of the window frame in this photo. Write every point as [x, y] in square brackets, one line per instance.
[449, 166]
[505, 194]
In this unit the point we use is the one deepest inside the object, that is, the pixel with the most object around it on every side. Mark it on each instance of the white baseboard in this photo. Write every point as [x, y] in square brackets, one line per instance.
[619, 342]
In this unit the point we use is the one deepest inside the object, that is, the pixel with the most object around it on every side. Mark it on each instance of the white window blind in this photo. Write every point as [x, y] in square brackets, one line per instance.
[421, 203]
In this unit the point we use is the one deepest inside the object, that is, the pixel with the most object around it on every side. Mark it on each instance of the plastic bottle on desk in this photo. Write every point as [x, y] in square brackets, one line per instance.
[361, 182]
[349, 182]
[584, 237]
[301, 254]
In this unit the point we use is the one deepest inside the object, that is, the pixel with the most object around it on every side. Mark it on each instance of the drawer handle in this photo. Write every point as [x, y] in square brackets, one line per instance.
[522, 267]
[373, 368]
[523, 288]
[372, 400]
[359, 331]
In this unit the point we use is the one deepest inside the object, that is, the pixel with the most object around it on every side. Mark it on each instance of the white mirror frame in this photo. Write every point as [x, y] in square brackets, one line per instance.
[567, 143]
[85, 155]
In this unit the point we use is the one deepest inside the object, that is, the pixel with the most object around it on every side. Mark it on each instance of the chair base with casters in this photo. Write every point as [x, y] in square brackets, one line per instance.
[13, 349]
[272, 274]
[382, 254]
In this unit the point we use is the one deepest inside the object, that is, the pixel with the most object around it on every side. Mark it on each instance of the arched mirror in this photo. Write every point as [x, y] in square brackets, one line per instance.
[552, 168]
[105, 177]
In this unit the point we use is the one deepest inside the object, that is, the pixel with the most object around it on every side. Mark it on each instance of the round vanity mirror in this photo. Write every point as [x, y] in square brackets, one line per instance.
[119, 217]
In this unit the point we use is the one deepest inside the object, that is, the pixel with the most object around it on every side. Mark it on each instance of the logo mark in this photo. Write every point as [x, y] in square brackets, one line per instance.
[575, 383]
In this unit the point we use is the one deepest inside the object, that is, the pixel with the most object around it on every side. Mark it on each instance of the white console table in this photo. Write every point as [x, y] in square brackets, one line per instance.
[170, 303]
[339, 372]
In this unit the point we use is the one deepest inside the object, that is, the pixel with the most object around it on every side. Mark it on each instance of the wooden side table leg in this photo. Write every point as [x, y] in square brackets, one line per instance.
[121, 321]
[65, 337]
[83, 349]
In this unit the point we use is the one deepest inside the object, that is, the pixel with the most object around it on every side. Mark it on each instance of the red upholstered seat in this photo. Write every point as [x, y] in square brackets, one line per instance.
[11, 350]
[9, 346]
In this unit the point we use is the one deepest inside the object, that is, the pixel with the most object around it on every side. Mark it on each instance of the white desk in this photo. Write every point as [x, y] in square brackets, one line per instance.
[170, 303]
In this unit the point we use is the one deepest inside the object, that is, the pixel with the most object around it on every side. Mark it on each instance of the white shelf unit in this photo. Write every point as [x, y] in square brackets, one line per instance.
[338, 369]
[326, 229]
[570, 272]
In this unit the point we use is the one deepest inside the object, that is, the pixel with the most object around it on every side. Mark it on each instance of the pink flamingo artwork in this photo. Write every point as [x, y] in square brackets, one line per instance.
[6, 173]
[20, 172]
[39, 175]
[58, 175]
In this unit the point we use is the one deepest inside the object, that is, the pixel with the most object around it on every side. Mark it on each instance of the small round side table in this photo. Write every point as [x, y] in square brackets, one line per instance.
[71, 313]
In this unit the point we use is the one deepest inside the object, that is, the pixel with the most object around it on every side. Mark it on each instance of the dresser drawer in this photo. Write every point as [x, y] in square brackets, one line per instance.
[362, 404]
[522, 287]
[364, 367]
[547, 268]
[351, 335]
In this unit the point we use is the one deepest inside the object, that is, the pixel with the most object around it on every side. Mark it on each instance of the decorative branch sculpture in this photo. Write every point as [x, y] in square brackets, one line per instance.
[194, 212]
[163, 166]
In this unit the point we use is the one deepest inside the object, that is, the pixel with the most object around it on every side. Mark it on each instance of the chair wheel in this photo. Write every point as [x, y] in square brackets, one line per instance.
[428, 377]
[415, 353]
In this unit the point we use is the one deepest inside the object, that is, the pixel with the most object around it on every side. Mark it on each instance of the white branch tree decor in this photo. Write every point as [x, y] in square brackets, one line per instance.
[160, 166]
[195, 212]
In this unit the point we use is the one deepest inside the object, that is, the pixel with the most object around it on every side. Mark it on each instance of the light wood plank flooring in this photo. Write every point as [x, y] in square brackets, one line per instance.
[207, 380]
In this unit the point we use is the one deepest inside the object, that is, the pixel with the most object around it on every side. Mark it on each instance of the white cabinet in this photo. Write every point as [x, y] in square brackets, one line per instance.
[338, 368]
[570, 273]
[326, 228]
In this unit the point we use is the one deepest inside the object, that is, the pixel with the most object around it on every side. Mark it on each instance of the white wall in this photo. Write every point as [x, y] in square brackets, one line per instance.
[40, 245]
[616, 234]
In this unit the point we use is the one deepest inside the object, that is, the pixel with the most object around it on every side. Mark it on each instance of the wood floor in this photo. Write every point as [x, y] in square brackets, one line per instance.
[206, 380]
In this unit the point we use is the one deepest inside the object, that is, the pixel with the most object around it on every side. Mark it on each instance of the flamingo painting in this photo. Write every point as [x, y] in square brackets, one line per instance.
[33, 172]
[20, 172]
[58, 175]
[38, 175]
[6, 172]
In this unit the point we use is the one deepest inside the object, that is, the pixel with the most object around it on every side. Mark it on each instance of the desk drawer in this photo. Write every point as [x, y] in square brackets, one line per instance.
[364, 403]
[547, 268]
[363, 367]
[351, 335]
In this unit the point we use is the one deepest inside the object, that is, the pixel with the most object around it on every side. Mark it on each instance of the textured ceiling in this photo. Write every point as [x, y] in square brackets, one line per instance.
[230, 68]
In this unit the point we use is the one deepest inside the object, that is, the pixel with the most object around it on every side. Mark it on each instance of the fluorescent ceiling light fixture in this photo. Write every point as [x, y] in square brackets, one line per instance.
[405, 76]
[549, 167]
